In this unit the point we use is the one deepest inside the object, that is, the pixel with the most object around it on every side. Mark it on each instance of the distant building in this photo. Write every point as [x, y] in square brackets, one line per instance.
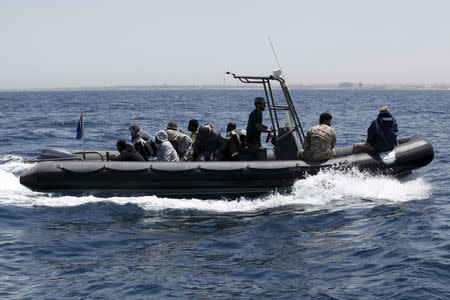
[346, 85]
[441, 86]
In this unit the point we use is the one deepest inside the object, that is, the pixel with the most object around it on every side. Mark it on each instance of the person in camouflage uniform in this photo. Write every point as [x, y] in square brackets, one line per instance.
[181, 142]
[320, 141]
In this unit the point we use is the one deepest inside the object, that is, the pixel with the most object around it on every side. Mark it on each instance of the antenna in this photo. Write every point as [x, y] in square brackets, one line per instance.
[274, 53]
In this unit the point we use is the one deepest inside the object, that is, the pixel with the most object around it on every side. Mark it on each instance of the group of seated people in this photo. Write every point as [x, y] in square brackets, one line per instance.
[205, 144]
[320, 140]
[171, 144]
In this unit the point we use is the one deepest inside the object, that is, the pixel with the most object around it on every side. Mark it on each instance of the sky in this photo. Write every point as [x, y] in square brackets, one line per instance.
[92, 43]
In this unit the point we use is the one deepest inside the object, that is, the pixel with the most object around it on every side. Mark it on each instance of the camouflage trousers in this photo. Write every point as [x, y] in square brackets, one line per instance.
[362, 148]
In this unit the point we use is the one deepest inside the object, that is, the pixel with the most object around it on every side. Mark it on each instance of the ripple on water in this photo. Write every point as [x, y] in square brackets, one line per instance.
[336, 235]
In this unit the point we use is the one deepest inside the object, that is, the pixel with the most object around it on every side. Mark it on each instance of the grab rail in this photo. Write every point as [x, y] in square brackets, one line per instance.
[89, 152]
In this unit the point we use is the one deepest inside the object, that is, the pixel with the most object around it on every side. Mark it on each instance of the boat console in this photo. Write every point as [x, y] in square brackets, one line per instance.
[288, 133]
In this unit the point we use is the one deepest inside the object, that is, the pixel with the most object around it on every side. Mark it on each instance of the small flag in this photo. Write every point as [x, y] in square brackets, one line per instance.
[80, 129]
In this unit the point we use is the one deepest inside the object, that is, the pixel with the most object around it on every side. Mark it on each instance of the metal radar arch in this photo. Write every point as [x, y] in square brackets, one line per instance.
[288, 136]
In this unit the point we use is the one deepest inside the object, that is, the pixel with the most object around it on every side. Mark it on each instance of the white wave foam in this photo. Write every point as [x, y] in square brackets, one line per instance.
[13, 164]
[328, 188]
[331, 185]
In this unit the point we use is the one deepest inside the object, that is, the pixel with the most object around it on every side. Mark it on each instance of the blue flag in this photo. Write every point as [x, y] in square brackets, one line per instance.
[80, 129]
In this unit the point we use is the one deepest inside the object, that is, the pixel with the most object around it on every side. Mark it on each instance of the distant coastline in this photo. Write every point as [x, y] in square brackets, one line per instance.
[341, 86]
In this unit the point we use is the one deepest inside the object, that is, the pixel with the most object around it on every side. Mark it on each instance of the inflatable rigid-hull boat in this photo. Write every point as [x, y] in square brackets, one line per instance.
[211, 179]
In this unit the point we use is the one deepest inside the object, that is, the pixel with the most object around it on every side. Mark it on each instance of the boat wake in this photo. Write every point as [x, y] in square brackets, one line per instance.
[327, 189]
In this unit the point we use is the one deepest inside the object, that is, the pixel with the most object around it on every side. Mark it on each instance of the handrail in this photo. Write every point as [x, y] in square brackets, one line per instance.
[89, 152]
[33, 160]
[272, 107]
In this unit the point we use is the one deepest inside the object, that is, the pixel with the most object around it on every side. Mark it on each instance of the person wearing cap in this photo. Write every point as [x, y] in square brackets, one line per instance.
[193, 128]
[126, 152]
[209, 145]
[165, 151]
[255, 127]
[180, 141]
[381, 134]
[319, 141]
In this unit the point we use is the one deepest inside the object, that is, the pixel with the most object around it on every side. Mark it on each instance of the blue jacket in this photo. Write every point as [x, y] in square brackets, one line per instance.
[382, 133]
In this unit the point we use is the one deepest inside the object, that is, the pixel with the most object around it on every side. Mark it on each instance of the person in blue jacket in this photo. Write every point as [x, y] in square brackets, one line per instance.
[381, 135]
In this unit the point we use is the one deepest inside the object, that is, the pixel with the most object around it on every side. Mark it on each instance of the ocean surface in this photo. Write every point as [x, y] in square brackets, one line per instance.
[336, 236]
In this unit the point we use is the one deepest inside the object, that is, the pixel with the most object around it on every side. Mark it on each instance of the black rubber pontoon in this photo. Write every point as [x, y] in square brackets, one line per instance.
[211, 179]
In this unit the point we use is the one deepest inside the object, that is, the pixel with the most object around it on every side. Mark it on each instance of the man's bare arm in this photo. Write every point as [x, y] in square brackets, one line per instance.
[263, 128]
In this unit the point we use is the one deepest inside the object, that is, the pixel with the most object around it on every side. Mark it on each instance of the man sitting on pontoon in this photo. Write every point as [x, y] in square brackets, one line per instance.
[319, 141]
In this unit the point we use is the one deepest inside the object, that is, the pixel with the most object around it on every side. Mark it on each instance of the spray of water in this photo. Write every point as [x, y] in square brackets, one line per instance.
[327, 188]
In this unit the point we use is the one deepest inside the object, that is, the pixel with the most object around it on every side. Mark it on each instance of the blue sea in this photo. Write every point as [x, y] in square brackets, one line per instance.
[336, 236]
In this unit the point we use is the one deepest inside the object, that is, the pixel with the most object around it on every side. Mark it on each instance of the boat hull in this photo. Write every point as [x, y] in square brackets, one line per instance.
[210, 179]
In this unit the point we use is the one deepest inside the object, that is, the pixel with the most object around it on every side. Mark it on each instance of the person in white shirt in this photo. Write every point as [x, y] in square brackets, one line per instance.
[165, 150]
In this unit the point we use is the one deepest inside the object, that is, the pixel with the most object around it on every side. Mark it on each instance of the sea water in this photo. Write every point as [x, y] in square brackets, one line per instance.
[336, 235]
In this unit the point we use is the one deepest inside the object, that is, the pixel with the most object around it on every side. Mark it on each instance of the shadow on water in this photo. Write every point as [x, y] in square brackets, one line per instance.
[131, 218]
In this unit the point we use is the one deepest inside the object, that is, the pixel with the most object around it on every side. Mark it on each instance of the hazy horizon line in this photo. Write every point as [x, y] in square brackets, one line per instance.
[342, 85]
